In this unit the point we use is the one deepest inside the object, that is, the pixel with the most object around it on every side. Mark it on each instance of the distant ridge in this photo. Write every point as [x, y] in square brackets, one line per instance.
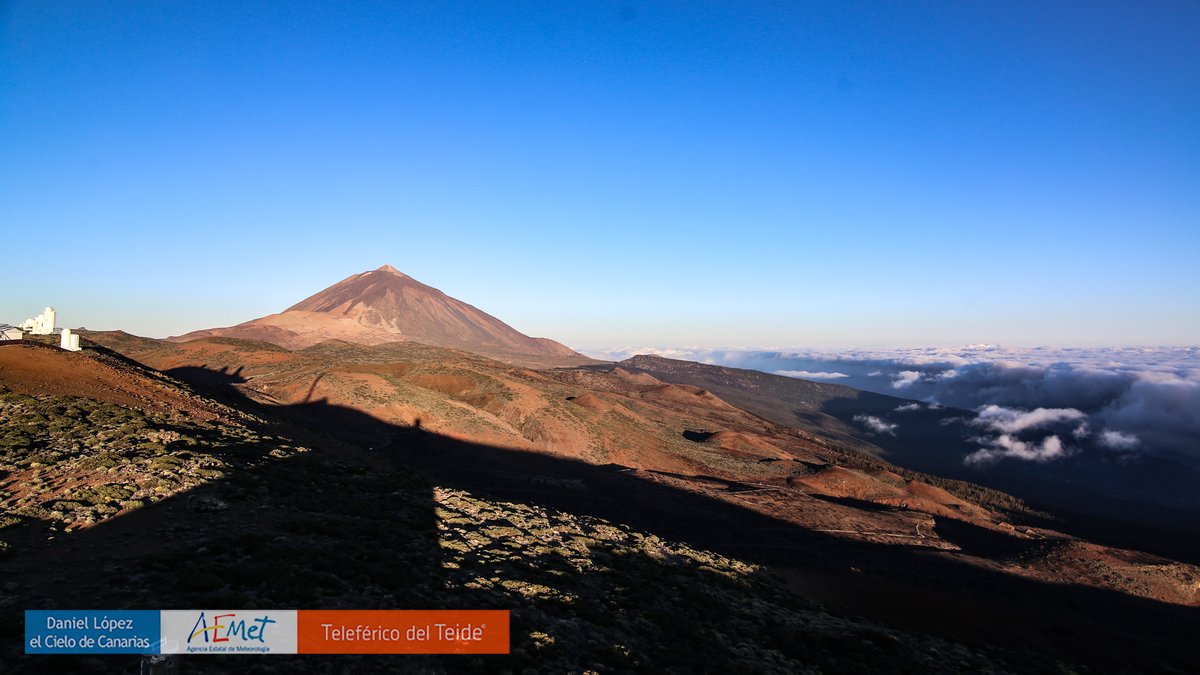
[386, 305]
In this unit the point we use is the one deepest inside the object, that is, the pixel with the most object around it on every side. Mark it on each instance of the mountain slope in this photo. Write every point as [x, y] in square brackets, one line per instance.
[606, 416]
[784, 400]
[591, 502]
[386, 305]
[135, 502]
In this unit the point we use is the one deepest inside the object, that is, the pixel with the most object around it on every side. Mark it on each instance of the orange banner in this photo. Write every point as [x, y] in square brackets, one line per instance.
[403, 631]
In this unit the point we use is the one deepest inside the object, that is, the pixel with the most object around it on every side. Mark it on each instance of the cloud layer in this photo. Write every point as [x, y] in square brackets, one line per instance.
[1121, 400]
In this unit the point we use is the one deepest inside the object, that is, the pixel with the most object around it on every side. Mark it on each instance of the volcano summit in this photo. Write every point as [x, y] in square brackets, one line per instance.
[386, 305]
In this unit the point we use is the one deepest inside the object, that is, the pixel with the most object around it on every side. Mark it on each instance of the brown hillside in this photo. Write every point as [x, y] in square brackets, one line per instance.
[42, 370]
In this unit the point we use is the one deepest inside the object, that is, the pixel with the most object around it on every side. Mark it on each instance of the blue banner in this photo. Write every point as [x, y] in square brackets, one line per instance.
[87, 631]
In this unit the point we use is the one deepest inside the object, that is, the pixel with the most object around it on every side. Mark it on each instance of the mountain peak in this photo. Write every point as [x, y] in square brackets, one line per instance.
[386, 305]
[391, 270]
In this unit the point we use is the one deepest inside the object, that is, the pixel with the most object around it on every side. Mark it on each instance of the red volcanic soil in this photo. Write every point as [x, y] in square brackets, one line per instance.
[746, 445]
[889, 489]
[639, 379]
[593, 402]
[30, 368]
[686, 395]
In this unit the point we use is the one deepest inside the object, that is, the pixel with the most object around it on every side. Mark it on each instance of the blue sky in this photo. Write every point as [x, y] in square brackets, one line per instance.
[604, 173]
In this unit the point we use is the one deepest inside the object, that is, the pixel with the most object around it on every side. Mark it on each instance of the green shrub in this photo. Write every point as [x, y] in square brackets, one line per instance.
[34, 511]
[103, 460]
[104, 494]
[16, 440]
[162, 462]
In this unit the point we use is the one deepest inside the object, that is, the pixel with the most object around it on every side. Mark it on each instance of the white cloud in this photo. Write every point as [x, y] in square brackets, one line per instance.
[806, 375]
[1082, 431]
[876, 425]
[1116, 440]
[905, 378]
[1008, 446]
[1015, 420]
[908, 407]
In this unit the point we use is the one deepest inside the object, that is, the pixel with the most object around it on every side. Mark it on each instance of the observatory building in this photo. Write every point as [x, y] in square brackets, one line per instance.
[42, 324]
[69, 340]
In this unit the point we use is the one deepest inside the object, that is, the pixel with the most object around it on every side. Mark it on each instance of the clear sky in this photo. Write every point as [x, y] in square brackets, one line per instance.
[608, 173]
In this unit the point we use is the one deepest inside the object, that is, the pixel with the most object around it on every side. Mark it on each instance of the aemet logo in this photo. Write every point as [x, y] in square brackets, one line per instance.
[224, 626]
[228, 631]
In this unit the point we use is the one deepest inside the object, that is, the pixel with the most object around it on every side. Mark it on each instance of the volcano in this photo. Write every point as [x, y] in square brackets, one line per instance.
[386, 305]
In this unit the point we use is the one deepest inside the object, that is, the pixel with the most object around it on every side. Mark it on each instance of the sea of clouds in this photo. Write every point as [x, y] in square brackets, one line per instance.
[1035, 404]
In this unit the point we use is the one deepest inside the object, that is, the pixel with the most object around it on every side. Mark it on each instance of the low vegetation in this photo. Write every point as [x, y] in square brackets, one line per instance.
[335, 526]
[72, 461]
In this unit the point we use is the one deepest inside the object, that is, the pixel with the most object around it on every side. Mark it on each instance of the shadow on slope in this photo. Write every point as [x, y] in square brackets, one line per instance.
[603, 569]
[1148, 504]
[1083, 493]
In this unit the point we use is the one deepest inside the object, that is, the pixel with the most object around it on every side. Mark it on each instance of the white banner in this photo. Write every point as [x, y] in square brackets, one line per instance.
[230, 631]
